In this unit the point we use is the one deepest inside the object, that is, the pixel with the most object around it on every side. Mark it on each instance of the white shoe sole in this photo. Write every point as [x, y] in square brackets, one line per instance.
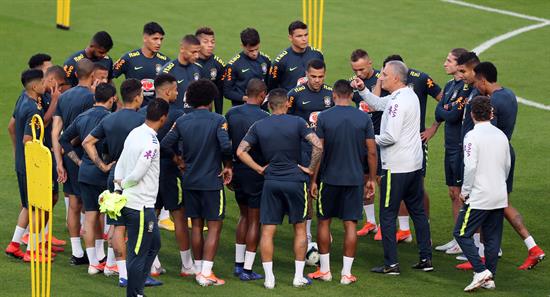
[454, 250]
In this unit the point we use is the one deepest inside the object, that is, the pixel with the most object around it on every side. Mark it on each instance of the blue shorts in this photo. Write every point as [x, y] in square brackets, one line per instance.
[280, 198]
[510, 179]
[22, 183]
[168, 195]
[208, 205]
[343, 202]
[89, 194]
[71, 185]
[248, 186]
[454, 167]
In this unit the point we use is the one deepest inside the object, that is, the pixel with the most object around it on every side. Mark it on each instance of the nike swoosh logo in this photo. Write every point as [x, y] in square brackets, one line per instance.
[180, 81]
[138, 68]
[305, 102]
[458, 181]
[245, 70]
[292, 68]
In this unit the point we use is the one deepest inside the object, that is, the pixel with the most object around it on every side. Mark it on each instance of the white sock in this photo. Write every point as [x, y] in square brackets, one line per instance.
[164, 214]
[27, 230]
[268, 271]
[18, 234]
[76, 247]
[481, 249]
[346, 269]
[111, 257]
[198, 265]
[34, 240]
[403, 222]
[308, 231]
[92, 257]
[46, 230]
[530, 242]
[239, 252]
[249, 260]
[105, 225]
[369, 211]
[156, 263]
[121, 264]
[186, 260]
[66, 207]
[325, 262]
[207, 267]
[299, 268]
[82, 220]
[477, 239]
[99, 249]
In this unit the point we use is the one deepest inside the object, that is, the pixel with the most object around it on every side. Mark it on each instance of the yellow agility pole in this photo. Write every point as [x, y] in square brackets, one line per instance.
[320, 31]
[38, 163]
[312, 13]
[63, 14]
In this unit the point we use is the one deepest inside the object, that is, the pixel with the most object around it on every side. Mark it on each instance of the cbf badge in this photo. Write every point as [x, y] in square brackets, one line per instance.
[157, 68]
[327, 100]
[264, 68]
[213, 73]
[196, 76]
[150, 226]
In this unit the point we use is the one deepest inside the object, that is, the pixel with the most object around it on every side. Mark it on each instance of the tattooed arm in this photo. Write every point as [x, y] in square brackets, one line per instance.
[89, 145]
[244, 156]
[316, 153]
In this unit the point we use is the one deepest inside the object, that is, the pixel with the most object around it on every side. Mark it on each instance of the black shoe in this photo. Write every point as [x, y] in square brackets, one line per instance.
[103, 260]
[424, 265]
[390, 270]
[80, 261]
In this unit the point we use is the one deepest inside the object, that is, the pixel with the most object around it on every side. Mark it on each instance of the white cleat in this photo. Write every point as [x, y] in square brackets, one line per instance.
[348, 279]
[478, 280]
[488, 285]
[299, 282]
[454, 250]
[461, 257]
[110, 270]
[269, 284]
[187, 271]
[446, 246]
[95, 269]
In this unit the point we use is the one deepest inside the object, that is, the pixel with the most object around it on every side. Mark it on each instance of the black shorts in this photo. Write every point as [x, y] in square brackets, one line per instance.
[208, 205]
[89, 194]
[510, 179]
[22, 183]
[168, 195]
[55, 185]
[454, 168]
[280, 198]
[248, 186]
[71, 185]
[110, 180]
[344, 202]
[424, 158]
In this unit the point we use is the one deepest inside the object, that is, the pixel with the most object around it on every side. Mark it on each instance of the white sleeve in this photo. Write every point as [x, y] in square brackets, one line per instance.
[119, 173]
[394, 125]
[374, 102]
[508, 161]
[143, 163]
[470, 164]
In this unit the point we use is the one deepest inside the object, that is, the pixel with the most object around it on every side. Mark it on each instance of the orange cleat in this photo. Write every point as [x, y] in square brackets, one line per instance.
[403, 235]
[25, 239]
[210, 280]
[348, 279]
[367, 228]
[467, 265]
[536, 254]
[56, 241]
[324, 276]
[14, 250]
[378, 235]
[41, 257]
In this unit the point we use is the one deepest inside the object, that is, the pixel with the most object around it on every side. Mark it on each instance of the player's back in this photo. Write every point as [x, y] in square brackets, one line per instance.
[88, 120]
[505, 111]
[73, 102]
[25, 108]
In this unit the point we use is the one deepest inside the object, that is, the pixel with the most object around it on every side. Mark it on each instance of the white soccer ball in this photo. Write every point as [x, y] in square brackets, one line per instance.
[312, 255]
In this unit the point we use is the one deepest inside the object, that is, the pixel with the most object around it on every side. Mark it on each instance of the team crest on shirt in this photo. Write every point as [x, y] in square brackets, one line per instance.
[454, 95]
[363, 106]
[264, 68]
[393, 110]
[327, 100]
[158, 67]
[313, 119]
[213, 73]
[196, 76]
[148, 86]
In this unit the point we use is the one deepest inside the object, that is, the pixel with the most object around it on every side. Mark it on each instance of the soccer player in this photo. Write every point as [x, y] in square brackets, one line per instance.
[246, 183]
[205, 145]
[289, 68]
[279, 139]
[212, 65]
[487, 163]
[113, 130]
[137, 178]
[40, 61]
[72, 103]
[505, 107]
[361, 64]
[96, 51]
[249, 63]
[144, 63]
[401, 150]
[92, 181]
[184, 68]
[347, 135]
[307, 101]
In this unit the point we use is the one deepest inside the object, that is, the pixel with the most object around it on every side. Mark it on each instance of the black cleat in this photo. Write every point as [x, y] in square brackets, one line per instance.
[80, 261]
[390, 270]
[424, 265]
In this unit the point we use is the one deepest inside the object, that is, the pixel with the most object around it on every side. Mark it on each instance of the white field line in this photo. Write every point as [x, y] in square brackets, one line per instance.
[489, 43]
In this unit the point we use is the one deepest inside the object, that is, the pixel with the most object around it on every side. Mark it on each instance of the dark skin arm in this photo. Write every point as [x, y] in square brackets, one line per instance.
[89, 146]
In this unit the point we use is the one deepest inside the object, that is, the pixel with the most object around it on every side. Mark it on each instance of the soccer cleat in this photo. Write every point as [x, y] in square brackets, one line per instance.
[478, 280]
[157, 271]
[299, 282]
[250, 276]
[110, 270]
[210, 280]
[57, 249]
[445, 247]
[14, 250]
[403, 235]
[56, 241]
[467, 265]
[389, 270]
[25, 239]
[488, 285]
[79, 260]
[500, 253]
[105, 236]
[348, 279]
[424, 265]
[184, 272]
[454, 250]
[269, 284]
[378, 235]
[96, 269]
[151, 282]
[41, 257]
[367, 228]
[461, 257]
[324, 276]
[167, 224]
[238, 269]
[122, 282]
[536, 254]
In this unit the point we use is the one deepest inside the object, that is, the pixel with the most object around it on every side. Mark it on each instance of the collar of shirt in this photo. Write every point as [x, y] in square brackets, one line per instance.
[147, 128]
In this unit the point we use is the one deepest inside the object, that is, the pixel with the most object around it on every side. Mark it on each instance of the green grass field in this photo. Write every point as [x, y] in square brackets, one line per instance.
[421, 31]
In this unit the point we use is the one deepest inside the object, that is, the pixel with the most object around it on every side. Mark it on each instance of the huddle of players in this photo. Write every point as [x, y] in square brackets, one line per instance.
[98, 139]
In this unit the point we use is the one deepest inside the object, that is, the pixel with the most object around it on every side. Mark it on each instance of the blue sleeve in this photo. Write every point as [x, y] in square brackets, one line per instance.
[275, 72]
[304, 128]
[99, 131]
[28, 121]
[433, 88]
[230, 89]
[320, 129]
[223, 137]
[292, 102]
[69, 134]
[251, 136]
[452, 115]
[121, 66]
[369, 128]
[167, 143]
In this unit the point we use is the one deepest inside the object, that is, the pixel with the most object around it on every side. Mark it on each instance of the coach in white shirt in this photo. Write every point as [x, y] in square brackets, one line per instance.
[137, 176]
[401, 153]
[486, 168]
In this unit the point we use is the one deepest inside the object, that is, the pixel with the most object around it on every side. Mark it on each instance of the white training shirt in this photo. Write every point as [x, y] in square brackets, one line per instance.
[139, 167]
[399, 139]
[486, 167]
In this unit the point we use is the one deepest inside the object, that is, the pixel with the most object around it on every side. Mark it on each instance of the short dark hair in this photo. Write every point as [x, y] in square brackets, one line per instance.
[103, 92]
[103, 39]
[129, 89]
[277, 98]
[358, 54]
[486, 70]
[392, 58]
[201, 93]
[468, 59]
[84, 68]
[342, 88]
[156, 109]
[255, 87]
[190, 39]
[152, 28]
[38, 60]
[31, 75]
[295, 26]
[459, 51]
[250, 37]
[481, 108]
[316, 64]
[99, 66]
[164, 78]
[56, 71]
[205, 31]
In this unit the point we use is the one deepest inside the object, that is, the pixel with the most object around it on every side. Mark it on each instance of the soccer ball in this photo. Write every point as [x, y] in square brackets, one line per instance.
[312, 255]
